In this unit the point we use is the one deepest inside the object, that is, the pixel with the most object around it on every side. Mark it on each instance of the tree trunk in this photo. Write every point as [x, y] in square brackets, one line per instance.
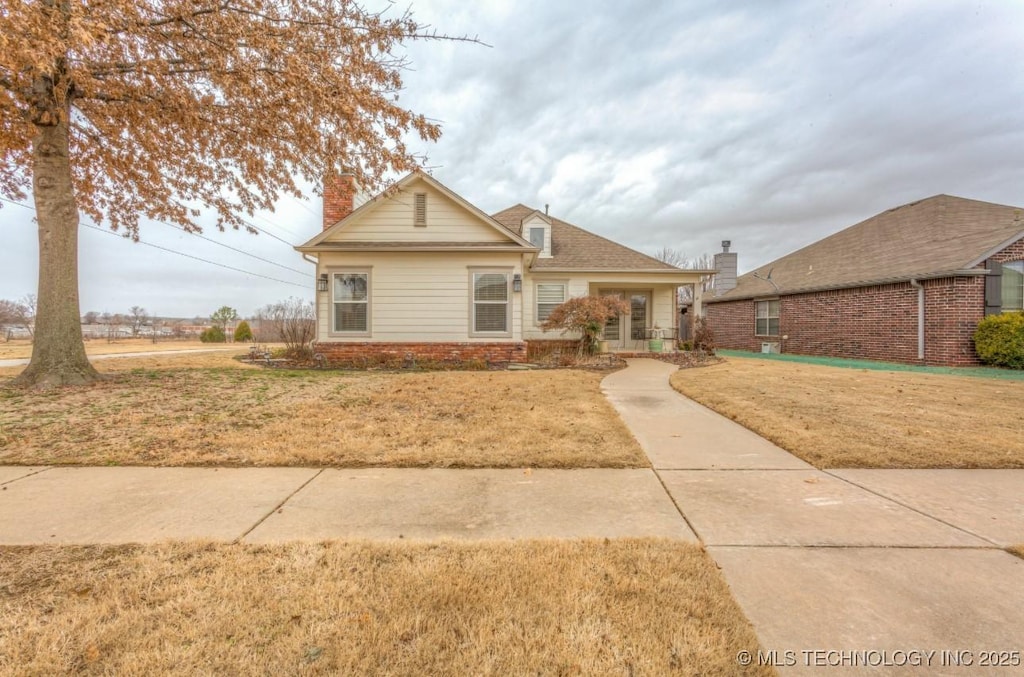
[58, 352]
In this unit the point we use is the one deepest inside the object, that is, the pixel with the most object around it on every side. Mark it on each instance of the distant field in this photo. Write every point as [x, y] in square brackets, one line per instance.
[19, 348]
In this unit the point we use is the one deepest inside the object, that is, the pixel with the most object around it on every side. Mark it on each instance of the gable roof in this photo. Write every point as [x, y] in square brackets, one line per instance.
[936, 237]
[321, 241]
[573, 248]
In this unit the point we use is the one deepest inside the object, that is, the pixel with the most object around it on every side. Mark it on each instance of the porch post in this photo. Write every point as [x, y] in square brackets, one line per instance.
[698, 294]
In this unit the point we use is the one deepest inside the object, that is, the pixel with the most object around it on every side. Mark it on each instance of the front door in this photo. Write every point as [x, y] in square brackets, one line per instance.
[639, 309]
[614, 330]
[625, 331]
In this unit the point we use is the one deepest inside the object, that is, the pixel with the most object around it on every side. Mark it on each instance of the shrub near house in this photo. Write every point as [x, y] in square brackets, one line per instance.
[999, 340]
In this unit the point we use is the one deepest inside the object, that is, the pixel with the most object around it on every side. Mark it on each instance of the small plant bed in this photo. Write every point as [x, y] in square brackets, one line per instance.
[857, 418]
[248, 416]
[689, 358]
[507, 608]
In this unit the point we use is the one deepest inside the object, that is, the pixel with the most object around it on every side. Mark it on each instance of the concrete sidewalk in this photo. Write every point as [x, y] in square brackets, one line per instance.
[827, 564]
[140, 505]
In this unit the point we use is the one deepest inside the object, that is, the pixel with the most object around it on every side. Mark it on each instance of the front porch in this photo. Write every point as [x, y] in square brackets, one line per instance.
[653, 324]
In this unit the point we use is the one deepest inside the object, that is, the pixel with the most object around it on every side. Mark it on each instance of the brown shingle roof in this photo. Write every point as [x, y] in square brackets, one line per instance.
[573, 248]
[940, 234]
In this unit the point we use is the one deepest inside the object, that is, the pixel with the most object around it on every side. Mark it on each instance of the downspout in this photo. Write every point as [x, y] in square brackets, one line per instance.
[920, 317]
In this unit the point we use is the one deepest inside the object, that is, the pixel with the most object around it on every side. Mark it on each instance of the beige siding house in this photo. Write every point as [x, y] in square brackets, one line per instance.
[419, 270]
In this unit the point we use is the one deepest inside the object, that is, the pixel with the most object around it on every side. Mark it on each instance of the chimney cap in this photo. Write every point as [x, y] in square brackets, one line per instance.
[726, 244]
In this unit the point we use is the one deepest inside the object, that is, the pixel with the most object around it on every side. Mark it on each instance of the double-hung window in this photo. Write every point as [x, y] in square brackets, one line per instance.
[1013, 286]
[537, 238]
[766, 318]
[550, 295]
[490, 307]
[351, 300]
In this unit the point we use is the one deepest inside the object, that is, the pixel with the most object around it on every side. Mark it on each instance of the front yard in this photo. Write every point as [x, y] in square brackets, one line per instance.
[854, 418]
[530, 607]
[237, 415]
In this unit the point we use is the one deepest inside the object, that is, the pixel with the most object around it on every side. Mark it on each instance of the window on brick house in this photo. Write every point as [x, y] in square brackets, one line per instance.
[1013, 286]
[766, 318]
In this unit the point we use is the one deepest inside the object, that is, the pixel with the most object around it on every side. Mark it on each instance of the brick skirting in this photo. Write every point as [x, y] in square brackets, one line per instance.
[512, 351]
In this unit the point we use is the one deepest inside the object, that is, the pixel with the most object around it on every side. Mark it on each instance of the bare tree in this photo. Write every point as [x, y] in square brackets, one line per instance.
[672, 256]
[91, 317]
[228, 105]
[136, 318]
[292, 321]
[13, 314]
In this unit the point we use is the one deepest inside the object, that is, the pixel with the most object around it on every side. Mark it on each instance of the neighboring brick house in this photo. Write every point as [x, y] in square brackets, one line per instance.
[908, 285]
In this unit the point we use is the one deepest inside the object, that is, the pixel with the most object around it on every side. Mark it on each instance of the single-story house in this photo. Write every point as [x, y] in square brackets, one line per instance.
[907, 285]
[418, 270]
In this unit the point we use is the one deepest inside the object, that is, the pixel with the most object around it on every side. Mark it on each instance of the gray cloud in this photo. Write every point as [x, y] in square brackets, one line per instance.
[659, 123]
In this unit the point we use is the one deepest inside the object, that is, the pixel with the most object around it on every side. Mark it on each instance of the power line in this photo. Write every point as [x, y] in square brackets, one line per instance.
[190, 256]
[173, 251]
[240, 251]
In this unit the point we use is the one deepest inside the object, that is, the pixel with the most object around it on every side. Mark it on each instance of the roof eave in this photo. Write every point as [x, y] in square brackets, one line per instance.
[337, 247]
[960, 272]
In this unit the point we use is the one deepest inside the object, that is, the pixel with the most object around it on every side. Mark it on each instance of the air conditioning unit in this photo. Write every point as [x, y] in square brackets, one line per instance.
[770, 348]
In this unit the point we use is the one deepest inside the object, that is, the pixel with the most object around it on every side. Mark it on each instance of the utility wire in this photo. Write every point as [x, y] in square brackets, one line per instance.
[173, 251]
[240, 251]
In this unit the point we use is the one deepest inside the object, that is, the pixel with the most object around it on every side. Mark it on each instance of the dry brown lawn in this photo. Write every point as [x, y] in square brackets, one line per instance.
[114, 366]
[20, 348]
[617, 607]
[851, 418]
[245, 416]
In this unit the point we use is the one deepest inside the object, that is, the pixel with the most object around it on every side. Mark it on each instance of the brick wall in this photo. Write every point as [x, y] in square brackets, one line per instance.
[339, 198]
[349, 352]
[874, 323]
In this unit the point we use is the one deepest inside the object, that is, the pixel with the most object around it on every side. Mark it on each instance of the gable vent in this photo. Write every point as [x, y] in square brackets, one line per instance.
[420, 209]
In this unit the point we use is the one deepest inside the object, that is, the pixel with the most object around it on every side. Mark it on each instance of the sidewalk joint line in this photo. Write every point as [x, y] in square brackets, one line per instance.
[277, 507]
[910, 507]
[24, 477]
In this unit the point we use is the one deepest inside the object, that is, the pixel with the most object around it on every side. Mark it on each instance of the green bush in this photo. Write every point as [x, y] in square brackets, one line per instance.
[213, 335]
[999, 340]
[243, 333]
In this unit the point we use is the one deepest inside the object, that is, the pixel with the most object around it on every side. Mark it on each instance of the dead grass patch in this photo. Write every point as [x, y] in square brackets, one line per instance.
[22, 348]
[849, 418]
[534, 607]
[252, 416]
[1017, 550]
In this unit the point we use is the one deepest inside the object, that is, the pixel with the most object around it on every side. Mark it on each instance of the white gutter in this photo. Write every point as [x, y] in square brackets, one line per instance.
[920, 317]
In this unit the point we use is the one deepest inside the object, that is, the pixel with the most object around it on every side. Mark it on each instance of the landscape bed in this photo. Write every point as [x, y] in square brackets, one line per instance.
[542, 607]
[856, 418]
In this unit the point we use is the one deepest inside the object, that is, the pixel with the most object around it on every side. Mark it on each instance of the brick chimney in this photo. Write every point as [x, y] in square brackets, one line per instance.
[339, 197]
[725, 264]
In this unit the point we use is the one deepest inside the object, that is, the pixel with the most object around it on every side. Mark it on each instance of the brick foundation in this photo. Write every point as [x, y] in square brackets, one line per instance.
[349, 352]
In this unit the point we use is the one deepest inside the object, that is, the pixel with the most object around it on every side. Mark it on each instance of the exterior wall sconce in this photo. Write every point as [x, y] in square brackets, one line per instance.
[321, 282]
[517, 282]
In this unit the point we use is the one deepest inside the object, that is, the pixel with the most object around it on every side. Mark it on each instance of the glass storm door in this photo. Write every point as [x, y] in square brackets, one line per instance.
[638, 306]
[613, 330]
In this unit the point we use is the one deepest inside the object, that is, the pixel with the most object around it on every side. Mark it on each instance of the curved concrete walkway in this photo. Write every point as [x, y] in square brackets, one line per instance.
[841, 571]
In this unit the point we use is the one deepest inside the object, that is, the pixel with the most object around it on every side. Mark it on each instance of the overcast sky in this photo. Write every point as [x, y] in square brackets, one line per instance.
[653, 123]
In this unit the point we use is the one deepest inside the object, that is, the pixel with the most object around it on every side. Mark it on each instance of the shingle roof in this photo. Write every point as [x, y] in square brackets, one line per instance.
[573, 248]
[928, 238]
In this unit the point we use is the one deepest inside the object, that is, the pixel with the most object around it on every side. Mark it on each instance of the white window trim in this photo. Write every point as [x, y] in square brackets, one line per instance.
[768, 318]
[536, 296]
[364, 270]
[473, 333]
[1003, 307]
